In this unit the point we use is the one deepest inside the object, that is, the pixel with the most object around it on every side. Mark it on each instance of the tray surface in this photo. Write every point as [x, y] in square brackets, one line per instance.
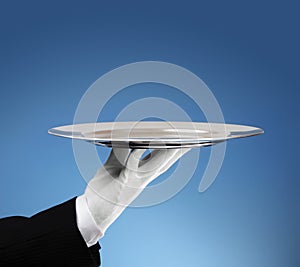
[155, 134]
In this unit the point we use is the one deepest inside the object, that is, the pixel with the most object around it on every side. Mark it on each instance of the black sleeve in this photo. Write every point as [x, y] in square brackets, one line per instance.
[49, 238]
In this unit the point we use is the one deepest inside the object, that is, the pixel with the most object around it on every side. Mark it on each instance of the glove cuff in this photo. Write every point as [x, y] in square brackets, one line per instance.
[86, 223]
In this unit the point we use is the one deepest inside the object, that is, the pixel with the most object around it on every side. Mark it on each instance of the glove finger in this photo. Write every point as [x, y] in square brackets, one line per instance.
[118, 157]
[146, 157]
[170, 159]
[134, 159]
[173, 158]
[156, 159]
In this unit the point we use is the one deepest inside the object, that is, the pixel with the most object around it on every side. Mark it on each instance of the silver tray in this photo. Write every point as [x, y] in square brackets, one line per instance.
[155, 134]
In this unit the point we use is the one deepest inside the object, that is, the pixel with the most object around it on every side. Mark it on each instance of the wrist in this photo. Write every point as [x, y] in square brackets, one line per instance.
[86, 223]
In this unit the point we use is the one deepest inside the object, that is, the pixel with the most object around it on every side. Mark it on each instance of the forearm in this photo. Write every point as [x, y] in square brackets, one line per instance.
[49, 238]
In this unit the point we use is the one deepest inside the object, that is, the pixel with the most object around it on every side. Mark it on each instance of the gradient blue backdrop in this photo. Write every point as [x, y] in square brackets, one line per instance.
[248, 54]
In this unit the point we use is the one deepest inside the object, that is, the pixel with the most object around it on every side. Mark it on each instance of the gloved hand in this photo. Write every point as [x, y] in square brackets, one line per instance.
[122, 178]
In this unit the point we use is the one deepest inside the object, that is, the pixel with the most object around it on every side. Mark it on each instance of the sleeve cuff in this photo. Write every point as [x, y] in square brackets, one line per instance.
[86, 223]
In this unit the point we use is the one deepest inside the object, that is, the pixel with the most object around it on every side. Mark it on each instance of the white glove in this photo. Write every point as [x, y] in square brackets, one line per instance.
[122, 178]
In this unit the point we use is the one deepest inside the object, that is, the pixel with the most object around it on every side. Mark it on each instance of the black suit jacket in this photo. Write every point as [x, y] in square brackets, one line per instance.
[49, 238]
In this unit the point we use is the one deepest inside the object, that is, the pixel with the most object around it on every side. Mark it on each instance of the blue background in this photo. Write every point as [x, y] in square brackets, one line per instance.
[247, 52]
